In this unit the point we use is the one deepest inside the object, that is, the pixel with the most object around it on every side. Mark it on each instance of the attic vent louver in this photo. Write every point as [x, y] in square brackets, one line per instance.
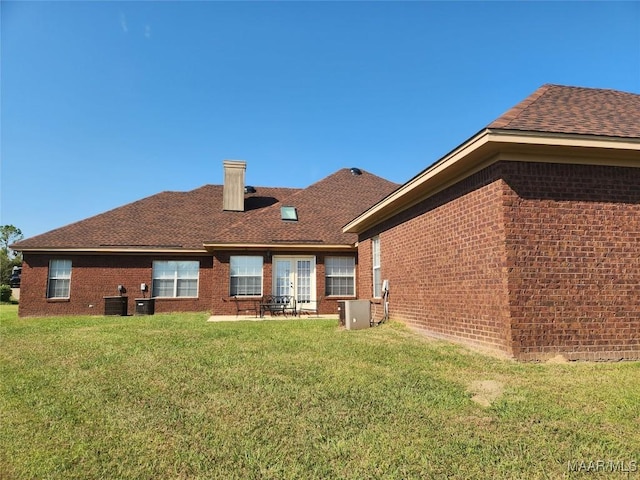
[249, 189]
[356, 171]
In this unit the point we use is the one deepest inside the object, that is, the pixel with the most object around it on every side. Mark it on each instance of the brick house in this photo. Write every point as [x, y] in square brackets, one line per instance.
[524, 239]
[195, 250]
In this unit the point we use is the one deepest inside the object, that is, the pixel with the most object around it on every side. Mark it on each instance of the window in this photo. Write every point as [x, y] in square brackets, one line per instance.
[245, 276]
[377, 278]
[59, 284]
[175, 278]
[340, 276]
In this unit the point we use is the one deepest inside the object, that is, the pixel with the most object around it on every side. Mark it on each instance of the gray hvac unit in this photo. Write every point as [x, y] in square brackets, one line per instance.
[357, 314]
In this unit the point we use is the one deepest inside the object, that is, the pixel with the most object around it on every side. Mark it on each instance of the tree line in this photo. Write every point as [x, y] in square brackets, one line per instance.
[9, 234]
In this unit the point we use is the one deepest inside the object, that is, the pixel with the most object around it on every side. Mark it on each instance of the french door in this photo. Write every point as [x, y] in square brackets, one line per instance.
[295, 276]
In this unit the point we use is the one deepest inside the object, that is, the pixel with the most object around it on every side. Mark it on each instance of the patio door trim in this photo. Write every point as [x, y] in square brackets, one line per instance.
[297, 284]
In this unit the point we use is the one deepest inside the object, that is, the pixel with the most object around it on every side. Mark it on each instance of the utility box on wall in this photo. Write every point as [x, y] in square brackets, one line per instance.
[356, 314]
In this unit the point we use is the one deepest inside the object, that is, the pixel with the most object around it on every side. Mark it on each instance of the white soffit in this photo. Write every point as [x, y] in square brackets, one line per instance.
[487, 147]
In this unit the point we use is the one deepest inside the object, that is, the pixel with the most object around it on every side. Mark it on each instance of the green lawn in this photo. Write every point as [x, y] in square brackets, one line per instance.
[172, 396]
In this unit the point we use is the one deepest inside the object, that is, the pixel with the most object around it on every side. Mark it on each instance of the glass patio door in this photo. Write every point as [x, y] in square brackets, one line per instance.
[295, 276]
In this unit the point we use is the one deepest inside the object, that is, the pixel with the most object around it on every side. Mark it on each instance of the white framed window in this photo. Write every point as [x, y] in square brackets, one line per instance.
[59, 281]
[377, 278]
[340, 276]
[245, 276]
[175, 278]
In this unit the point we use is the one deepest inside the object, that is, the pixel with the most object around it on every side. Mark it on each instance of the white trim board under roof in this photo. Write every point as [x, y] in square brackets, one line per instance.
[490, 146]
[281, 246]
[113, 250]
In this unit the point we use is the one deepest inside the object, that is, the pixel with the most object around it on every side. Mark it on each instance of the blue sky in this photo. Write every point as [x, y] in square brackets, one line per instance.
[104, 103]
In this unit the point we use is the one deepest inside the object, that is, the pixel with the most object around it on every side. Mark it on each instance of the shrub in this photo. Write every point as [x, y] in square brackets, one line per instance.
[5, 293]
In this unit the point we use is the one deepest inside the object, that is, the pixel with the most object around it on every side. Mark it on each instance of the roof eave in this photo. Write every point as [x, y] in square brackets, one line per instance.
[111, 250]
[487, 147]
[212, 246]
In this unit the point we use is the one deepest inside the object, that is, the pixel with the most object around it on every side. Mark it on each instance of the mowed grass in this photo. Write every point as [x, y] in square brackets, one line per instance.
[172, 396]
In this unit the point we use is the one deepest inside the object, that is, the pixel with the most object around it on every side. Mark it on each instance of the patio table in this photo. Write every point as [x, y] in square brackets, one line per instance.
[278, 304]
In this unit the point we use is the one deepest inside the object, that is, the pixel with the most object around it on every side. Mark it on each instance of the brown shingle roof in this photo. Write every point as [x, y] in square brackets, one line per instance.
[575, 110]
[167, 219]
[555, 120]
[185, 220]
[323, 209]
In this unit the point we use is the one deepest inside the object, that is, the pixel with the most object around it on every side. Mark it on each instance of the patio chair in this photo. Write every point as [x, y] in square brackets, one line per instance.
[309, 307]
[278, 304]
[246, 305]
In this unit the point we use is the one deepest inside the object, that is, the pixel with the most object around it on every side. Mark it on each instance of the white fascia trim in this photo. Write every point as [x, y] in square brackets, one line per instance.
[565, 140]
[446, 162]
[484, 148]
[278, 246]
[118, 251]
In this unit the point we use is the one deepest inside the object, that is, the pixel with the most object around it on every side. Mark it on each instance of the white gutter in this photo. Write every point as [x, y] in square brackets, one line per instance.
[112, 250]
[484, 149]
[278, 246]
[208, 247]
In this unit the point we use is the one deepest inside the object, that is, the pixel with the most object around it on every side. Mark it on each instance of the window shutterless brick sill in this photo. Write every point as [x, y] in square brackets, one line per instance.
[58, 300]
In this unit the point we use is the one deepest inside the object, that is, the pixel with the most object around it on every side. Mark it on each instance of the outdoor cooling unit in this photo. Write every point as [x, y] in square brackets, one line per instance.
[116, 305]
[356, 314]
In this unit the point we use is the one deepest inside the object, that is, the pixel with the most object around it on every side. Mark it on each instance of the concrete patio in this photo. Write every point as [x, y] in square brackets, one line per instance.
[252, 318]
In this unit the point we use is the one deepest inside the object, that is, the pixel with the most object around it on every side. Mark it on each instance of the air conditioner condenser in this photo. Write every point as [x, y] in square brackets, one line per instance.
[357, 314]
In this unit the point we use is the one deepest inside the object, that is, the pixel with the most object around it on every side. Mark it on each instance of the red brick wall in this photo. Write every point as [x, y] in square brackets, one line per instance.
[364, 278]
[95, 276]
[445, 261]
[534, 259]
[573, 249]
[222, 304]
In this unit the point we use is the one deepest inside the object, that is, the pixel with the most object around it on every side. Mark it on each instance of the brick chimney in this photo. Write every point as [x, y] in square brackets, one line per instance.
[233, 190]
